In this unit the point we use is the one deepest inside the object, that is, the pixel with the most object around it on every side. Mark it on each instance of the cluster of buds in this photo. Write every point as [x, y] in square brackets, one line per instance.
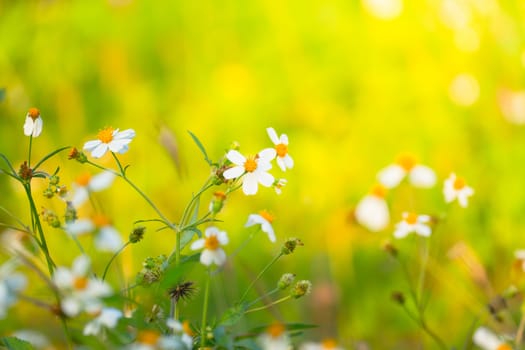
[290, 244]
[152, 271]
[301, 289]
[51, 218]
[137, 234]
[25, 172]
[286, 281]
[77, 155]
[217, 202]
[54, 187]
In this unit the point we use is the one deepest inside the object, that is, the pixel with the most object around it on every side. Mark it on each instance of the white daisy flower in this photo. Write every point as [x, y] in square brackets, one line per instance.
[108, 239]
[212, 252]
[80, 292]
[456, 188]
[85, 184]
[11, 283]
[485, 339]
[275, 338]
[255, 169]
[413, 223]
[265, 219]
[105, 318]
[281, 148]
[33, 123]
[419, 175]
[372, 211]
[182, 330]
[153, 340]
[328, 344]
[110, 139]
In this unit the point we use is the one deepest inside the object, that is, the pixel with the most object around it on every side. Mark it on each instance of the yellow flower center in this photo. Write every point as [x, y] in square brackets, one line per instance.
[459, 183]
[186, 328]
[266, 215]
[250, 165]
[83, 180]
[379, 191]
[33, 113]
[80, 283]
[148, 337]
[406, 161]
[411, 218]
[106, 135]
[275, 330]
[281, 149]
[211, 243]
[329, 344]
[504, 347]
[100, 220]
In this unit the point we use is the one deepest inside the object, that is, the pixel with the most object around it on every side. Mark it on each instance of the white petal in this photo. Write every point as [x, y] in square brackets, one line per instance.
[211, 231]
[265, 179]
[401, 232]
[123, 149]
[118, 145]
[267, 154]
[273, 135]
[63, 278]
[284, 139]
[268, 228]
[263, 165]
[80, 196]
[423, 218]
[92, 328]
[125, 134]
[372, 212]
[391, 176]
[233, 173]
[281, 163]
[108, 239]
[100, 150]
[222, 237]
[91, 145]
[81, 265]
[423, 230]
[37, 127]
[173, 324]
[462, 200]
[101, 181]
[520, 254]
[70, 306]
[249, 184]
[110, 317]
[422, 176]
[236, 158]
[198, 244]
[254, 219]
[80, 226]
[485, 339]
[28, 126]
[219, 256]
[207, 257]
[288, 161]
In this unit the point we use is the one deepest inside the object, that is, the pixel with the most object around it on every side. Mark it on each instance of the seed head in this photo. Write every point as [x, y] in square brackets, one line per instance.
[290, 244]
[137, 234]
[301, 288]
[285, 281]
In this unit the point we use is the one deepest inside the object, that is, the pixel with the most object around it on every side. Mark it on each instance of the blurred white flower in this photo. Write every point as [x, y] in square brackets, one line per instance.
[110, 139]
[372, 211]
[33, 123]
[419, 175]
[328, 344]
[106, 318]
[413, 223]
[384, 9]
[520, 256]
[264, 219]
[11, 283]
[212, 242]
[281, 148]
[456, 188]
[464, 90]
[275, 338]
[255, 169]
[512, 105]
[37, 339]
[85, 184]
[107, 239]
[181, 330]
[485, 339]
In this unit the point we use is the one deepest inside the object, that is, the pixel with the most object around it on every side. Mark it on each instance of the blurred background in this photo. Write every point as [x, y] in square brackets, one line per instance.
[352, 83]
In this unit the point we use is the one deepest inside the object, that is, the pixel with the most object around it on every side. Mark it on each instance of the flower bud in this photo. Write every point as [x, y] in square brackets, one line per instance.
[390, 249]
[290, 244]
[286, 281]
[398, 297]
[301, 288]
[25, 172]
[49, 193]
[217, 203]
[77, 155]
[137, 234]
[54, 180]
[51, 218]
[71, 213]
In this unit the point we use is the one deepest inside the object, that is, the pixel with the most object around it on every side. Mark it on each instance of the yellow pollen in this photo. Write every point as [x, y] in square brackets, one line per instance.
[106, 135]
[411, 218]
[250, 165]
[329, 344]
[459, 183]
[211, 243]
[186, 328]
[504, 347]
[281, 149]
[406, 161]
[275, 330]
[83, 180]
[33, 113]
[379, 191]
[148, 337]
[80, 283]
[265, 214]
[100, 220]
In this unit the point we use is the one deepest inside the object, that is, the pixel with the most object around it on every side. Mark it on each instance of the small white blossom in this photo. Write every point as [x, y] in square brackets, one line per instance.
[11, 283]
[372, 211]
[107, 239]
[106, 318]
[264, 219]
[485, 339]
[413, 223]
[33, 123]
[281, 148]
[255, 169]
[456, 188]
[110, 139]
[327, 344]
[419, 175]
[275, 338]
[212, 242]
[85, 184]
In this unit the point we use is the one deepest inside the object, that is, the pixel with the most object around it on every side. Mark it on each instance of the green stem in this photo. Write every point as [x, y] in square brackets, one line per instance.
[30, 148]
[269, 305]
[422, 273]
[259, 276]
[113, 258]
[205, 310]
[421, 322]
[270, 293]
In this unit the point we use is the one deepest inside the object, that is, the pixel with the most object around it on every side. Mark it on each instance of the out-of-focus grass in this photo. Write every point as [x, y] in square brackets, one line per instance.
[351, 90]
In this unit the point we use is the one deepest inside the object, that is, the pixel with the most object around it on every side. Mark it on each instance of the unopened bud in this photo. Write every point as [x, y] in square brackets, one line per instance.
[217, 203]
[77, 155]
[290, 244]
[286, 281]
[51, 218]
[137, 234]
[398, 297]
[54, 180]
[301, 288]
[49, 193]
[25, 172]
[390, 249]
[71, 213]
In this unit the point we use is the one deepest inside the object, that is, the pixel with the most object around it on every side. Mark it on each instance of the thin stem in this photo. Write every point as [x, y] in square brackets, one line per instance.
[259, 276]
[77, 242]
[205, 309]
[269, 305]
[422, 273]
[29, 154]
[421, 322]
[35, 302]
[113, 258]
[272, 292]
[521, 329]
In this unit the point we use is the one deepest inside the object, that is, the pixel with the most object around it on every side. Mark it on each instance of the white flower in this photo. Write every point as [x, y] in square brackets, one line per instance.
[212, 252]
[79, 292]
[456, 188]
[279, 184]
[487, 340]
[33, 123]
[11, 283]
[264, 219]
[85, 184]
[281, 148]
[419, 175]
[413, 223]
[110, 139]
[520, 257]
[108, 239]
[255, 169]
[152, 340]
[372, 211]
[327, 344]
[181, 330]
[275, 338]
[107, 318]
[37, 339]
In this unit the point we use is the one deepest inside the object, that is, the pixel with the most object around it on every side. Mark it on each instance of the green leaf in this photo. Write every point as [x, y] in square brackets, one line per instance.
[49, 156]
[195, 214]
[290, 327]
[201, 147]
[13, 343]
[8, 163]
[187, 236]
[234, 314]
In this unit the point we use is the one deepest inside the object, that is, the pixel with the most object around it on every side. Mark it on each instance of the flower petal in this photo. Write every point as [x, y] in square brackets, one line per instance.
[372, 212]
[422, 176]
[101, 181]
[108, 239]
[198, 244]
[273, 135]
[28, 126]
[267, 154]
[233, 173]
[250, 184]
[236, 158]
[265, 179]
[391, 176]
[100, 150]
[207, 257]
[91, 145]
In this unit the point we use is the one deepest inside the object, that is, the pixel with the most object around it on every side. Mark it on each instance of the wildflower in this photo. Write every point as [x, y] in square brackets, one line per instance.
[212, 252]
[79, 292]
[456, 188]
[279, 184]
[275, 338]
[301, 289]
[85, 184]
[107, 238]
[33, 123]
[151, 340]
[485, 339]
[265, 219]
[413, 223]
[281, 148]
[137, 234]
[419, 175]
[255, 169]
[105, 318]
[372, 210]
[110, 139]
[11, 283]
[285, 281]
[182, 330]
[327, 344]
[217, 203]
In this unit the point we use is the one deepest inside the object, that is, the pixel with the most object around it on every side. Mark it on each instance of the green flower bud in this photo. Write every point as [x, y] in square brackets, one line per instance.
[290, 244]
[301, 288]
[286, 281]
[54, 180]
[137, 234]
